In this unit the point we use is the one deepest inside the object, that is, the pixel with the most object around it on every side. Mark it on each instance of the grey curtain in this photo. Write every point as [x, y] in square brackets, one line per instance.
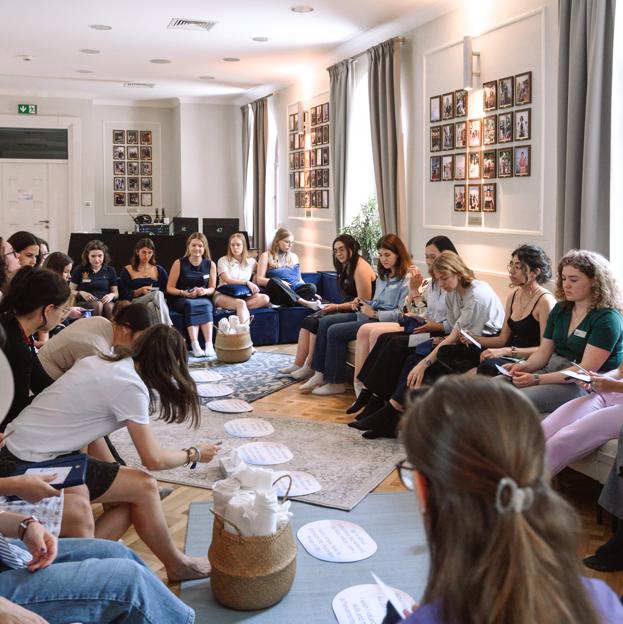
[260, 149]
[584, 101]
[340, 95]
[245, 159]
[386, 129]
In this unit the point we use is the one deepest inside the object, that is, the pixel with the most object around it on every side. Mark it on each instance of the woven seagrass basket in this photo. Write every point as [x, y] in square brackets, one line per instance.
[233, 348]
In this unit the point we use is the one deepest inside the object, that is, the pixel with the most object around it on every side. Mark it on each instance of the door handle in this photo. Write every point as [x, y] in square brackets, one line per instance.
[44, 221]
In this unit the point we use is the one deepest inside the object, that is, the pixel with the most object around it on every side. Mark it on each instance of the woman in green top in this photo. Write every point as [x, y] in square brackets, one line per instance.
[585, 326]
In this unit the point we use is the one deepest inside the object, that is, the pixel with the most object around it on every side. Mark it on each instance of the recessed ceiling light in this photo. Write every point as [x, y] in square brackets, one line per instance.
[84, 71]
[260, 39]
[100, 27]
[159, 61]
[302, 8]
[231, 59]
[206, 77]
[89, 51]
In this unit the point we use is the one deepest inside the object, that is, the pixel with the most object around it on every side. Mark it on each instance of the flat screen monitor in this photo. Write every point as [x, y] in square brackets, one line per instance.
[220, 228]
[110, 230]
[185, 226]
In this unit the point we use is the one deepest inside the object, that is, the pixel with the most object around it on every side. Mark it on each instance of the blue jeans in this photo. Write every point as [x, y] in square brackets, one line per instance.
[94, 582]
[335, 331]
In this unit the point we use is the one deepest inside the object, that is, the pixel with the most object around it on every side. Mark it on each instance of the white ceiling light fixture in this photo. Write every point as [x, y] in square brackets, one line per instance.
[260, 39]
[25, 57]
[84, 71]
[302, 8]
[179, 23]
[139, 85]
[89, 51]
[471, 64]
[231, 59]
[100, 27]
[159, 61]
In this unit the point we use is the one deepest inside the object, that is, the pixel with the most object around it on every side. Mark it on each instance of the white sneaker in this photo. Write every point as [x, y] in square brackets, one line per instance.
[317, 379]
[209, 351]
[305, 372]
[288, 370]
[317, 305]
[328, 389]
[197, 350]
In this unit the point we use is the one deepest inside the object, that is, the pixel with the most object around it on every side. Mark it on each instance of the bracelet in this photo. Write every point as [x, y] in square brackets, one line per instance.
[513, 351]
[195, 458]
[428, 362]
[537, 379]
[24, 524]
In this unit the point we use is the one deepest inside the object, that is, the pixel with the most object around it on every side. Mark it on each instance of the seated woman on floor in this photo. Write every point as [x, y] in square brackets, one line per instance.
[192, 281]
[502, 542]
[471, 305]
[145, 281]
[236, 290]
[95, 281]
[355, 279]
[585, 326]
[337, 330]
[109, 393]
[279, 273]
[420, 291]
[26, 245]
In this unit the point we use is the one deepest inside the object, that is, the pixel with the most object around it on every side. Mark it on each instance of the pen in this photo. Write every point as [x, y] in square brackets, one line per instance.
[6, 435]
[583, 370]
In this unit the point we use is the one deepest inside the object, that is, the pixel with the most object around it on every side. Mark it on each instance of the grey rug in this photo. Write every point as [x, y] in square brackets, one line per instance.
[251, 380]
[392, 520]
[347, 466]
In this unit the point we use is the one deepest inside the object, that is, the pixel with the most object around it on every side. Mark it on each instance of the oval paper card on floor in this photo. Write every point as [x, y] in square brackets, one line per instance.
[232, 406]
[302, 483]
[214, 390]
[265, 453]
[338, 541]
[248, 428]
[205, 376]
[362, 604]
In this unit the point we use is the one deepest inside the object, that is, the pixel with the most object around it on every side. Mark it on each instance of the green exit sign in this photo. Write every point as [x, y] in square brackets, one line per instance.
[27, 109]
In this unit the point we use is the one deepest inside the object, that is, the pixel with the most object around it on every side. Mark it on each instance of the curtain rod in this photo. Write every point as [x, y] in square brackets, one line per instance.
[356, 56]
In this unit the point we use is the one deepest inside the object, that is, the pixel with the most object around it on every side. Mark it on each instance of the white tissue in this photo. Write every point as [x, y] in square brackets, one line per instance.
[239, 512]
[265, 509]
[222, 492]
[229, 464]
[254, 478]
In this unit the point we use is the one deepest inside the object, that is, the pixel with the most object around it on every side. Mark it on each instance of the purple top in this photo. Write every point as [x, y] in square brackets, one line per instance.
[605, 600]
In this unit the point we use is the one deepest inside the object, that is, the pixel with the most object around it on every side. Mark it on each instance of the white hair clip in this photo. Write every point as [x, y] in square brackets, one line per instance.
[517, 499]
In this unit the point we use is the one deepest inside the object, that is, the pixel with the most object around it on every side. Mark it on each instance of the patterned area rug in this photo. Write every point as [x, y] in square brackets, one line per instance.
[347, 466]
[251, 380]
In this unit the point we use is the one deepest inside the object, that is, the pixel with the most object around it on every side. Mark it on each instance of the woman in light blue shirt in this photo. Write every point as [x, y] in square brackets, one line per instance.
[335, 331]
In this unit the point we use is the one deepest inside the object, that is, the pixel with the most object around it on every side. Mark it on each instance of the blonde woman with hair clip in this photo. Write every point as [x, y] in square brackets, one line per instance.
[502, 543]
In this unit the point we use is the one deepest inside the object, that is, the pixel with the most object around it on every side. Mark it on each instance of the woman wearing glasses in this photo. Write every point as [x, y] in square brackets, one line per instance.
[9, 264]
[502, 542]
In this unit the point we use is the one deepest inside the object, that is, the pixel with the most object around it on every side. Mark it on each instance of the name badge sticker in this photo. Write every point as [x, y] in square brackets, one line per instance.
[86, 281]
[580, 333]
[206, 276]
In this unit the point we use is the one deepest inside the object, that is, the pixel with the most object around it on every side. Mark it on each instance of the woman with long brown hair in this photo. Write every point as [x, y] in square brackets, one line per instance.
[502, 542]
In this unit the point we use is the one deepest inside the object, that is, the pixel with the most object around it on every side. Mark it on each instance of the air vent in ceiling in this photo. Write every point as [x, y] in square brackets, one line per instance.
[139, 85]
[179, 23]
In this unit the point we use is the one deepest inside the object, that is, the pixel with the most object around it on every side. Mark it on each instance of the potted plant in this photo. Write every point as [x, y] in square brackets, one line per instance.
[366, 229]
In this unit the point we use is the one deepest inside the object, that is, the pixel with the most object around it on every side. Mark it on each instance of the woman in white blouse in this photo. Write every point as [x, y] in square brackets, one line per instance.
[236, 291]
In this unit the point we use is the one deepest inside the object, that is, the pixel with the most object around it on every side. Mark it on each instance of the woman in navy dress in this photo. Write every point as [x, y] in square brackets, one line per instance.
[144, 281]
[192, 281]
[95, 280]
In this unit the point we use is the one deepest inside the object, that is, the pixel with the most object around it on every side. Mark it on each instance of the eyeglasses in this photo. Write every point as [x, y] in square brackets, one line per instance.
[11, 253]
[405, 472]
[64, 310]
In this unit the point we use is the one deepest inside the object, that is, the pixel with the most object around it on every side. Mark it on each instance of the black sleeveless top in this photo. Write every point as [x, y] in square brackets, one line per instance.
[525, 332]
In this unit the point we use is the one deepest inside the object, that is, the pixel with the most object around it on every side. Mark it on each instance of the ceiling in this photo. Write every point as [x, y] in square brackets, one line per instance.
[42, 44]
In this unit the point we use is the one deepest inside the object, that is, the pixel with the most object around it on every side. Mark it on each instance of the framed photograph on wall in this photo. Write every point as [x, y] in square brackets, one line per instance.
[131, 138]
[297, 199]
[146, 199]
[460, 192]
[325, 199]
[119, 167]
[490, 130]
[523, 88]
[118, 137]
[460, 134]
[132, 168]
[119, 184]
[474, 198]
[325, 115]
[146, 169]
[132, 152]
[146, 184]
[435, 139]
[522, 124]
[325, 178]
[435, 108]
[505, 91]
[489, 168]
[145, 152]
[325, 156]
[119, 199]
[435, 168]
[505, 127]
[522, 161]
[447, 137]
[489, 197]
[133, 199]
[118, 152]
[489, 95]
[291, 123]
[475, 132]
[447, 167]
[145, 137]
[474, 165]
[505, 163]
[133, 185]
[461, 103]
[447, 106]
[460, 172]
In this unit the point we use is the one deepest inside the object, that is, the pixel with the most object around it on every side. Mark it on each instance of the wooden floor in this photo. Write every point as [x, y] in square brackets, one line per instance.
[581, 491]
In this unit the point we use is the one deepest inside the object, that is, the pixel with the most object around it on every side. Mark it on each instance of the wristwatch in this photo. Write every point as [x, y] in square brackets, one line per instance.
[23, 525]
[537, 379]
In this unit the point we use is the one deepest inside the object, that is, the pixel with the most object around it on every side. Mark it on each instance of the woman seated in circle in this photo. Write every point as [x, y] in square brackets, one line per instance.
[355, 279]
[585, 326]
[503, 545]
[44, 252]
[192, 281]
[108, 392]
[279, 273]
[144, 281]
[337, 330]
[9, 264]
[236, 290]
[27, 247]
[95, 280]
[60, 263]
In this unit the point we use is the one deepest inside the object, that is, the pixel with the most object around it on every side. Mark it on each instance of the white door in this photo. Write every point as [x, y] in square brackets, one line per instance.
[30, 194]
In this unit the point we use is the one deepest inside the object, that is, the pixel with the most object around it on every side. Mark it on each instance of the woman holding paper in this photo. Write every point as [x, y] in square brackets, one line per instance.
[109, 393]
[586, 326]
[502, 542]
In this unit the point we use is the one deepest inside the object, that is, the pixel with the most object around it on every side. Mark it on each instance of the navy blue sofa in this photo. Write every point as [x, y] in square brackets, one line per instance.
[277, 325]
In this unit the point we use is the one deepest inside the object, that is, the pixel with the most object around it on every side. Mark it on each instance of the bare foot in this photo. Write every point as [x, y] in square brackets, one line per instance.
[189, 569]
